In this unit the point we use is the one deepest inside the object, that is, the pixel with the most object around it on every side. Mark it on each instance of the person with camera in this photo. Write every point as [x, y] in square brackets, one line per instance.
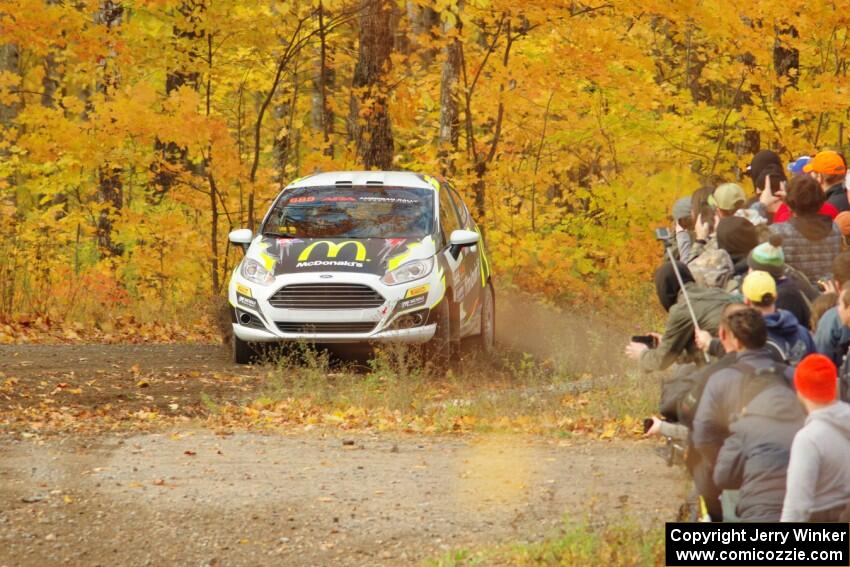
[686, 403]
[676, 344]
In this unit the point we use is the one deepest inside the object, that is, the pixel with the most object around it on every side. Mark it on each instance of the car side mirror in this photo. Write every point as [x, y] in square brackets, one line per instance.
[461, 239]
[241, 237]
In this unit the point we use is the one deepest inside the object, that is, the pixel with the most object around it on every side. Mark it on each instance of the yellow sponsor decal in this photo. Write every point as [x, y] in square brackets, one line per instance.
[418, 290]
[433, 182]
[268, 261]
[442, 293]
[400, 259]
[334, 249]
[485, 263]
[243, 290]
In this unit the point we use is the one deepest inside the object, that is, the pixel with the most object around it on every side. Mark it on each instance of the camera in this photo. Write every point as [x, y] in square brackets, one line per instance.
[662, 234]
[647, 340]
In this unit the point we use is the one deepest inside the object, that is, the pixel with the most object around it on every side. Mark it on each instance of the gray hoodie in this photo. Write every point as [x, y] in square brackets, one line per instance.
[819, 470]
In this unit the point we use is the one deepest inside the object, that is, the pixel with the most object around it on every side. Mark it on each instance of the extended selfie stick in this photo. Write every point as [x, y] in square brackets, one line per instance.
[664, 237]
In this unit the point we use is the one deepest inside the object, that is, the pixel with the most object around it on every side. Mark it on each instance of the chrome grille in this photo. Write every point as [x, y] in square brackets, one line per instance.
[325, 327]
[326, 296]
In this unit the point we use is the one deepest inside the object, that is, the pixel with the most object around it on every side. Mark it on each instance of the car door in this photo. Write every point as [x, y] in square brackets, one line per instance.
[466, 268]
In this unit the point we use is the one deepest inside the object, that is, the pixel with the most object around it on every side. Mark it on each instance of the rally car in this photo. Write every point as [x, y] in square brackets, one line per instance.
[364, 257]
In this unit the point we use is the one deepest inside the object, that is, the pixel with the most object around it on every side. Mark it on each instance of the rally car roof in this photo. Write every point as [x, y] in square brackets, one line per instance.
[355, 178]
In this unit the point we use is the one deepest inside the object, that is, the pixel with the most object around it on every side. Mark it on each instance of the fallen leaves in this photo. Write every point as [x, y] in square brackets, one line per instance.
[25, 329]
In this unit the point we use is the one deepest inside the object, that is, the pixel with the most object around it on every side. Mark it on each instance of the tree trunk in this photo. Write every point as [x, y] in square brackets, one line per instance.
[423, 20]
[10, 63]
[171, 158]
[284, 148]
[216, 285]
[370, 117]
[110, 188]
[449, 104]
[322, 114]
[111, 194]
[785, 59]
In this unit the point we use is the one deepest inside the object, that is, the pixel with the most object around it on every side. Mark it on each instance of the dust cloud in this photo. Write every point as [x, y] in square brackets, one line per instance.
[580, 341]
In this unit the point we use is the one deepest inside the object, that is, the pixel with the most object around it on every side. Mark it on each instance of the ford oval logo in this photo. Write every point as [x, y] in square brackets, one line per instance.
[326, 276]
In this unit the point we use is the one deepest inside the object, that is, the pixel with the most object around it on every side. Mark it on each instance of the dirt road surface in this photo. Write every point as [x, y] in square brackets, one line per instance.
[200, 497]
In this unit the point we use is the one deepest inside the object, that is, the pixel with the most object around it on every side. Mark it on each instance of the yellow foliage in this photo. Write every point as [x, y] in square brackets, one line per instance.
[583, 123]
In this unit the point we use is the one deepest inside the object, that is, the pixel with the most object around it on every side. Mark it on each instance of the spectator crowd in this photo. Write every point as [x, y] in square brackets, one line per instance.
[753, 357]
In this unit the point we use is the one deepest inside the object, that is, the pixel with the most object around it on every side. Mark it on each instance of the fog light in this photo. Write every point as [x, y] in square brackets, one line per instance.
[244, 318]
[410, 320]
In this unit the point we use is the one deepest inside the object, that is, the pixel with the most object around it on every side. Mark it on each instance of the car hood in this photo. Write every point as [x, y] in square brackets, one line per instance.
[362, 255]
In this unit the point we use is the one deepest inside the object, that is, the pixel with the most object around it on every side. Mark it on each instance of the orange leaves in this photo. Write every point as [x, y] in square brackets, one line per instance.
[42, 329]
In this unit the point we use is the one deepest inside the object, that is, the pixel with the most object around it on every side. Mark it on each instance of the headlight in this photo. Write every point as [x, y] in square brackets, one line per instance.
[409, 272]
[255, 272]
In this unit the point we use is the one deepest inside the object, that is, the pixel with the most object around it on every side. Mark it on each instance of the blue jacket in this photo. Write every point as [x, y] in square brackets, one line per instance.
[832, 336]
[788, 334]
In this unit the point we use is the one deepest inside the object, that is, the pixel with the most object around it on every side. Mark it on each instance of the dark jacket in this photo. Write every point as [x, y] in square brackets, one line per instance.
[837, 197]
[755, 456]
[790, 298]
[810, 244]
[678, 338]
[832, 337]
[721, 400]
[793, 339]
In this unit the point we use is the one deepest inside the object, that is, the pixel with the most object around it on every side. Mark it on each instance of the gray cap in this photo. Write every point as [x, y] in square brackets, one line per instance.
[682, 208]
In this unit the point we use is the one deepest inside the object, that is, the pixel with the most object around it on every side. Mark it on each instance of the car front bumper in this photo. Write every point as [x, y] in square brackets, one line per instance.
[268, 319]
[412, 336]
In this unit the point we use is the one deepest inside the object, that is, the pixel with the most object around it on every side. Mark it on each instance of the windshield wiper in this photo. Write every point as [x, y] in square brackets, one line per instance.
[278, 235]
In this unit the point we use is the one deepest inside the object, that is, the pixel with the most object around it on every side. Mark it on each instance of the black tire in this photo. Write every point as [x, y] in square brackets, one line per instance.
[438, 351]
[243, 351]
[485, 343]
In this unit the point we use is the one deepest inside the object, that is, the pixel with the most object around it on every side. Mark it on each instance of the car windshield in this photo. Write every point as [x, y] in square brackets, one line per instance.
[352, 212]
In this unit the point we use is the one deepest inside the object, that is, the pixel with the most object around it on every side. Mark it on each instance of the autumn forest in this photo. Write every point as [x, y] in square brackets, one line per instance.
[137, 133]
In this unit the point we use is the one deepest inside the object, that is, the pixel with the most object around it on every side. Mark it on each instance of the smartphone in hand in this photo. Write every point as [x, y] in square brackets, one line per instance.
[647, 340]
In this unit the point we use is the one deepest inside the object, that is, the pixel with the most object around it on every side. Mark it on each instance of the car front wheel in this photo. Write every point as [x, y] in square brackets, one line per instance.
[487, 339]
[243, 351]
[438, 351]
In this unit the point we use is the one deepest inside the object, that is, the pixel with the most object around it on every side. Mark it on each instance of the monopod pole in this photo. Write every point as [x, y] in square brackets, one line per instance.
[685, 293]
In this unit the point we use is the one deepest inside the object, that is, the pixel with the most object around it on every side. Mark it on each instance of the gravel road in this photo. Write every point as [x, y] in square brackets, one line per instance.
[202, 497]
[197, 498]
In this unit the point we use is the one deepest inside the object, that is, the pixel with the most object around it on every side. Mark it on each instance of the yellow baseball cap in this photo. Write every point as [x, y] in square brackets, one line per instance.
[757, 285]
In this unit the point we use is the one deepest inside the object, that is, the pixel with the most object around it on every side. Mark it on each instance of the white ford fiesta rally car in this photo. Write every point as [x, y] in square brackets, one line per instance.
[363, 257]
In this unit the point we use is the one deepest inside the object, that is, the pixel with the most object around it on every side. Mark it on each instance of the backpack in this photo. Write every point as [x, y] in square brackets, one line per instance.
[687, 403]
[755, 381]
[777, 351]
[712, 268]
